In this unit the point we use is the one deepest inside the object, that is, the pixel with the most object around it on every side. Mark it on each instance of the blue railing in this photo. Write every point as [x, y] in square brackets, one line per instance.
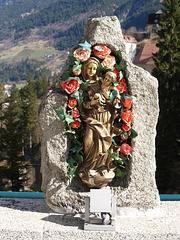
[40, 195]
[32, 195]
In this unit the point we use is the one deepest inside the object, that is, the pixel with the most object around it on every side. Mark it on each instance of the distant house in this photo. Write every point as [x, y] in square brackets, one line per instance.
[144, 58]
[130, 44]
[153, 23]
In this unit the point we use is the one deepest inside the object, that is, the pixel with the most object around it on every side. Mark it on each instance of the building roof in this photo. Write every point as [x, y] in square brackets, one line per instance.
[145, 56]
[129, 39]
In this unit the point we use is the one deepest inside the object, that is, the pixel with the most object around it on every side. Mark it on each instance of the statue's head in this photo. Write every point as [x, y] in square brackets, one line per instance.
[110, 77]
[89, 70]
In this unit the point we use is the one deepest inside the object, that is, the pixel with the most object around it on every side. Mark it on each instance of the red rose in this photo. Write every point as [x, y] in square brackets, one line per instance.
[125, 149]
[126, 127]
[127, 116]
[101, 51]
[117, 73]
[127, 103]
[121, 87]
[75, 113]
[71, 86]
[72, 103]
[122, 80]
[75, 124]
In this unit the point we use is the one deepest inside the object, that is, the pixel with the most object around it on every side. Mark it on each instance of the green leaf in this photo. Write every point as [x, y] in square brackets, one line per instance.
[71, 59]
[121, 75]
[98, 48]
[118, 56]
[77, 67]
[69, 118]
[113, 94]
[85, 45]
[71, 78]
[84, 85]
[78, 95]
[76, 149]
[125, 96]
[71, 162]
[123, 158]
[121, 66]
[116, 84]
[77, 62]
[133, 133]
[119, 173]
[124, 135]
[101, 68]
[60, 113]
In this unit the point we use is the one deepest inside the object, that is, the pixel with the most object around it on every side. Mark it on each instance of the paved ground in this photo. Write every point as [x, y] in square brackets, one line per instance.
[23, 219]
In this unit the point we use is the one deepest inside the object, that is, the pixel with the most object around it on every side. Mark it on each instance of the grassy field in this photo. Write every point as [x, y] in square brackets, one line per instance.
[34, 50]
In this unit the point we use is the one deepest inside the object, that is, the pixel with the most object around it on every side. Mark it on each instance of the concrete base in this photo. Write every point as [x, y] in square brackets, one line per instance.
[96, 227]
[28, 219]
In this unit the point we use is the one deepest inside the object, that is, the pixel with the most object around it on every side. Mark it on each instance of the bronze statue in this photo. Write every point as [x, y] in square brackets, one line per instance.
[99, 114]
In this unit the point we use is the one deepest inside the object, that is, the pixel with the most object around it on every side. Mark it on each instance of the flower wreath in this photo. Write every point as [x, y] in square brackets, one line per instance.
[76, 89]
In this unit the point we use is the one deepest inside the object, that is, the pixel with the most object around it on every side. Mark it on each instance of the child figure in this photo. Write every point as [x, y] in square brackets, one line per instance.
[106, 88]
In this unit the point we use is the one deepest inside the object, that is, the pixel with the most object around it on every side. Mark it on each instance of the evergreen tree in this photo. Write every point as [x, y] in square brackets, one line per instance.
[2, 184]
[41, 85]
[31, 113]
[167, 71]
[14, 165]
[45, 83]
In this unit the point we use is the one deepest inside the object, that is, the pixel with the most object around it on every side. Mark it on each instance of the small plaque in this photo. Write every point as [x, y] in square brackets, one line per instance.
[100, 200]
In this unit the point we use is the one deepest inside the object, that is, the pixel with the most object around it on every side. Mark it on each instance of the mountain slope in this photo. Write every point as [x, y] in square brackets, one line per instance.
[63, 21]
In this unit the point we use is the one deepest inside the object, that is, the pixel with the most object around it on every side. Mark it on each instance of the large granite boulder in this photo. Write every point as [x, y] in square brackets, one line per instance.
[138, 189]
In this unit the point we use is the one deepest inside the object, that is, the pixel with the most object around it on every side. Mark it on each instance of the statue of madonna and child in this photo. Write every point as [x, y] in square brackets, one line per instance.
[99, 114]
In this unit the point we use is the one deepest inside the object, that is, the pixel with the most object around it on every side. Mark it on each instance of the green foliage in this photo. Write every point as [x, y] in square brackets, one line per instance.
[11, 135]
[133, 133]
[31, 106]
[167, 71]
[19, 132]
[15, 73]
[70, 36]
[49, 12]
[121, 66]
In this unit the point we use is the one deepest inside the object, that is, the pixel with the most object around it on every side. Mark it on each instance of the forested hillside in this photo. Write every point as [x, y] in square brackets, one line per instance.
[64, 20]
[58, 24]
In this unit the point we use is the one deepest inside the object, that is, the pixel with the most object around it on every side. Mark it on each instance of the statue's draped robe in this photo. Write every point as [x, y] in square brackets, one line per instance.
[98, 121]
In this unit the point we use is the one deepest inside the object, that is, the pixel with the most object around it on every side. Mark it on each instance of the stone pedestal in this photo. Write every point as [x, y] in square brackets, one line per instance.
[138, 189]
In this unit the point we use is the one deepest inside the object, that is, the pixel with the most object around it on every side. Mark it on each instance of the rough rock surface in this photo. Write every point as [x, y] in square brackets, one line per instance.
[139, 189]
[31, 219]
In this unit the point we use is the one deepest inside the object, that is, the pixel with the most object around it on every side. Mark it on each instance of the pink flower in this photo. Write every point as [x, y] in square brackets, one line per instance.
[71, 86]
[125, 149]
[82, 55]
[109, 61]
[75, 113]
